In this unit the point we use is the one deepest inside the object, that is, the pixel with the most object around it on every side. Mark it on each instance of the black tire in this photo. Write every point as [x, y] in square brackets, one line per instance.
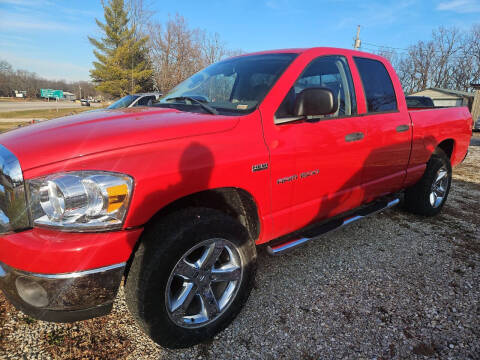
[418, 197]
[162, 246]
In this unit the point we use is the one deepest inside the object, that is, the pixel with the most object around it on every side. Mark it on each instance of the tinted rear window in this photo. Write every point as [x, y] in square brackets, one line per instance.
[377, 85]
[419, 101]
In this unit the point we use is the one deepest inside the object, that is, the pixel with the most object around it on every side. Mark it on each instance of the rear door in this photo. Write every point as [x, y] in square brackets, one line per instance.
[389, 132]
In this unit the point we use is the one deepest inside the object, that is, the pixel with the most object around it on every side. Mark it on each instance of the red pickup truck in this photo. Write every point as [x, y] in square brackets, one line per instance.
[272, 148]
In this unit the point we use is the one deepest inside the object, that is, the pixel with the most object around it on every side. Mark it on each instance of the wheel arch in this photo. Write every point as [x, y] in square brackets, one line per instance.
[448, 146]
[235, 202]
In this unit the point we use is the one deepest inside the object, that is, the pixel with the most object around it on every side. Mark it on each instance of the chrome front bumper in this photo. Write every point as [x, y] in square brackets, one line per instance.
[13, 203]
[62, 297]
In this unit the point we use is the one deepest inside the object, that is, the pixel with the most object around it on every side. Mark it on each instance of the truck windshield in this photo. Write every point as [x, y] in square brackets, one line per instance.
[123, 102]
[235, 85]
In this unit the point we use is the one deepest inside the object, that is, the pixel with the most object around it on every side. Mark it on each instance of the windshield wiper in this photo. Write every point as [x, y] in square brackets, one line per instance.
[204, 106]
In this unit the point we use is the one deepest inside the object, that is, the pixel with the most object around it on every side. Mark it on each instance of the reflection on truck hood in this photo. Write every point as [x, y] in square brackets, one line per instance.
[94, 132]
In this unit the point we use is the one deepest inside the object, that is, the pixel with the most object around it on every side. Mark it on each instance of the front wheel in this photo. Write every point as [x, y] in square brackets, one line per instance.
[428, 196]
[190, 276]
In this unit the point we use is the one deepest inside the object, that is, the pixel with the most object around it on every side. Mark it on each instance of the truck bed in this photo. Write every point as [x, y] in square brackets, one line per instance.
[431, 125]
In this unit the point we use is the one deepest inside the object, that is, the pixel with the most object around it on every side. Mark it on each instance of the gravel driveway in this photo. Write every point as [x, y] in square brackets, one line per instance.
[389, 287]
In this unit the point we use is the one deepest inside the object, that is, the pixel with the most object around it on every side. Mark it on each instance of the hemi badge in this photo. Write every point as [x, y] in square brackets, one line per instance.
[259, 167]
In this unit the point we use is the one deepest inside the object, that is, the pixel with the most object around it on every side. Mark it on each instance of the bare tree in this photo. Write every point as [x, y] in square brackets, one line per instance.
[174, 52]
[473, 49]
[446, 45]
[465, 66]
[177, 51]
[212, 48]
[140, 15]
[449, 60]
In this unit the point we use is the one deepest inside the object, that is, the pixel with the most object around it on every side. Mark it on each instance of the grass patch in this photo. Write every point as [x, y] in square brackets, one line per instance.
[55, 338]
[42, 113]
[28, 320]
[5, 126]
[10, 99]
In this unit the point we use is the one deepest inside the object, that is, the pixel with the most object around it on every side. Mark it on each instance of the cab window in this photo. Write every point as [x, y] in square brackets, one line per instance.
[331, 72]
[377, 85]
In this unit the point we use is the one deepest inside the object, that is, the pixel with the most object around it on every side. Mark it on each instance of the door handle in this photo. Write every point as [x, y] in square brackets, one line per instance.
[402, 128]
[356, 136]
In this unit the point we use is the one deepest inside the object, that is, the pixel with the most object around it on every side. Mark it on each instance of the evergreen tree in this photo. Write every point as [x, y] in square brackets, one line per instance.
[123, 66]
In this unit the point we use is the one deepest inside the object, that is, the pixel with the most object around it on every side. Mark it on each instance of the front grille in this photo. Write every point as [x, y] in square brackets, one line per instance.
[13, 204]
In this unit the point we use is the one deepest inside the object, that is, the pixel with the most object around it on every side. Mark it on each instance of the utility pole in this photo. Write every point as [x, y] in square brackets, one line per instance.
[358, 42]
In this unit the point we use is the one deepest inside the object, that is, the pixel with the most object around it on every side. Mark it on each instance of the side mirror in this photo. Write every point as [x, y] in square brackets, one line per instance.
[315, 101]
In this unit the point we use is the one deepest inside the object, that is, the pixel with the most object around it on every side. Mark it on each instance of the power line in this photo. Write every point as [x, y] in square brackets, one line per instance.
[404, 51]
[407, 50]
[384, 46]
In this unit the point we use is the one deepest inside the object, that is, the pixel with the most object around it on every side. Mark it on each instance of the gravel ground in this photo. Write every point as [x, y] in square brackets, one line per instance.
[390, 287]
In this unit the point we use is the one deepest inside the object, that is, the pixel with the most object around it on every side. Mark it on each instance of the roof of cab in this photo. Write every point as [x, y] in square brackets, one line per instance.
[303, 50]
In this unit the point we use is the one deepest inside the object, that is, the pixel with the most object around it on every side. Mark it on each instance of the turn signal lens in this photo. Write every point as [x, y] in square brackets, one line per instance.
[116, 197]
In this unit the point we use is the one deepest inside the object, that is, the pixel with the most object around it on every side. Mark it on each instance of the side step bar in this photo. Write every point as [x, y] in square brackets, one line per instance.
[332, 225]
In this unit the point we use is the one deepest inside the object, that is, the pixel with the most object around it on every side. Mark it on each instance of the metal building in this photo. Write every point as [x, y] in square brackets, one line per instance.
[69, 96]
[447, 97]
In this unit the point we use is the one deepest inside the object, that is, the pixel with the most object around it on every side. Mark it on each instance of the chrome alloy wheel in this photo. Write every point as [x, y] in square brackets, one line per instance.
[439, 187]
[203, 283]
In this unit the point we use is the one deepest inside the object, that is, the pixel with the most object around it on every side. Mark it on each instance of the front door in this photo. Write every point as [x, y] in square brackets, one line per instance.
[325, 172]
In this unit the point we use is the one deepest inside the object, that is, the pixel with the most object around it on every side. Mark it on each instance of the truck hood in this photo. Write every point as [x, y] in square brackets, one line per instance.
[93, 132]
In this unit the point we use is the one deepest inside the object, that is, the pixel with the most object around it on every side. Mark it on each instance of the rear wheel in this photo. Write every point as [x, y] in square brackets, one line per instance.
[190, 276]
[428, 196]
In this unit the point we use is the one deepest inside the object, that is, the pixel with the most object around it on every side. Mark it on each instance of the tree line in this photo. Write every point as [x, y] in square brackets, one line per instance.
[12, 80]
[450, 60]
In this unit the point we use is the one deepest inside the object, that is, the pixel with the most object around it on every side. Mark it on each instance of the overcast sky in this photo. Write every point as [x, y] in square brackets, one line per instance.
[50, 37]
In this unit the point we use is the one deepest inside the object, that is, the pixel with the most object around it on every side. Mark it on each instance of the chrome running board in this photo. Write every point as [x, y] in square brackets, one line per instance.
[332, 225]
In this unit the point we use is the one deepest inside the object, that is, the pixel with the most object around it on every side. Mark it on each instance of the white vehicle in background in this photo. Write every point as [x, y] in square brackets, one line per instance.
[142, 99]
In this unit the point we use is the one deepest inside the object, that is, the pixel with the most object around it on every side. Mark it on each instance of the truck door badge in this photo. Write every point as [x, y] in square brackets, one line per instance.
[294, 177]
[259, 167]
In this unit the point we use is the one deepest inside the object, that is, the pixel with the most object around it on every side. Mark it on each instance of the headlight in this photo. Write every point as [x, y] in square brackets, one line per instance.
[80, 201]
